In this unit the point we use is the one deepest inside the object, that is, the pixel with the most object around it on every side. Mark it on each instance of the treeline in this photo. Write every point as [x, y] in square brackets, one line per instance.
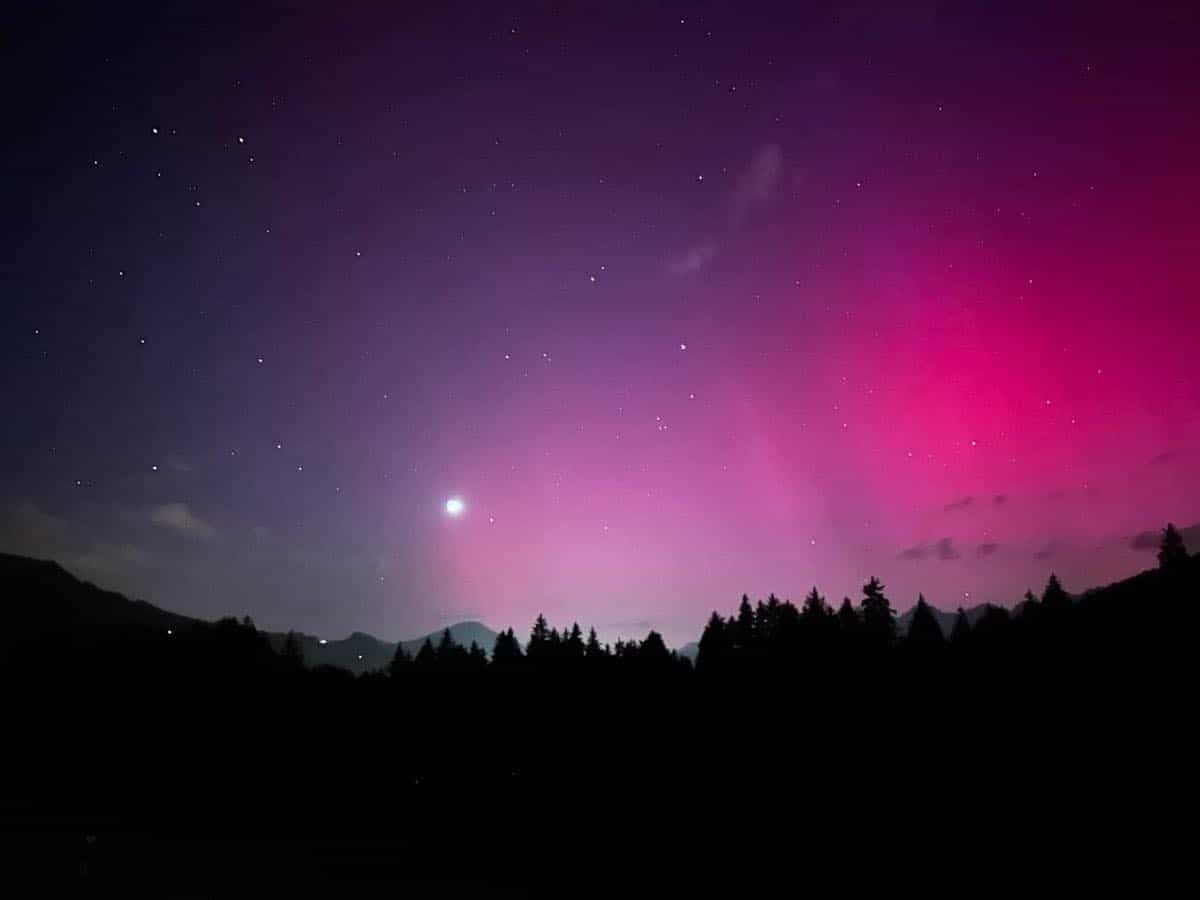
[1126, 620]
[545, 650]
[777, 635]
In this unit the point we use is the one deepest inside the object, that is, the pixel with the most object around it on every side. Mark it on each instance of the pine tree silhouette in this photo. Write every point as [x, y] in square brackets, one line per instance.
[924, 630]
[507, 650]
[539, 639]
[426, 657]
[1055, 600]
[592, 649]
[1171, 553]
[879, 621]
[715, 645]
[743, 634]
[573, 643]
[400, 661]
[653, 655]
[815, 609]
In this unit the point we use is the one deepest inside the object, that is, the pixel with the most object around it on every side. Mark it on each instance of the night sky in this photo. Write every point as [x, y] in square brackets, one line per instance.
[680, 302]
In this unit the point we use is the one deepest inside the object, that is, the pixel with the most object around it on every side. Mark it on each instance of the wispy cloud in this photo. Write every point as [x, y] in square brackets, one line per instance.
[180, 518]
[753, 187]
[757, 183]
[964, 503]
[943, 549]
[692, 261]
[32, 523]
[988, 549]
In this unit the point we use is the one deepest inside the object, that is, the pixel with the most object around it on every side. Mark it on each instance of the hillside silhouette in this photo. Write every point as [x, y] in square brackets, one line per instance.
[1049, 724]
[49, 608]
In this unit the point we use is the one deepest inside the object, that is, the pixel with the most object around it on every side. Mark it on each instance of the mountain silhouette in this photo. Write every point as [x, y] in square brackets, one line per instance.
[43, 602]
[41, 598]
[361, 652]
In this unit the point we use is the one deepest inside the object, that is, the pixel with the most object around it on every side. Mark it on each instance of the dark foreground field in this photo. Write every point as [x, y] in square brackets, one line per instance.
[1064, 764]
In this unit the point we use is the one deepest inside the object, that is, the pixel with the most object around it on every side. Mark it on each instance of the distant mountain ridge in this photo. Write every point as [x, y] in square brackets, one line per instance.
[361, 652]
[40, 599]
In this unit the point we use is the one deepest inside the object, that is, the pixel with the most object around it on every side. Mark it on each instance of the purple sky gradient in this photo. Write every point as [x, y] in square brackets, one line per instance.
[683, 302]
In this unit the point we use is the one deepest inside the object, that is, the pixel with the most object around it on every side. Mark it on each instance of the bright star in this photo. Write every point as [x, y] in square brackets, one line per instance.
[455, 506]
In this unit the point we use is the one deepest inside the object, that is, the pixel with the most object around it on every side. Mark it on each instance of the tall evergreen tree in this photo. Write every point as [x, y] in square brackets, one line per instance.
[815, 609]
[426, 657]
[539, 639]
[592, 649]
[507, 650]
[653, 653]
[879, 621]
[848, 618]
[766, 620]
[715, 645]
[743, 634]
[1171, 552]
[573, 644]
[1055, 600]
[400, 661]
[924, 630]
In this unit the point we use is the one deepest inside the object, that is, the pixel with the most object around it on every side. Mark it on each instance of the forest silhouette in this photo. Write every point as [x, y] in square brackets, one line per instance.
[458, 760]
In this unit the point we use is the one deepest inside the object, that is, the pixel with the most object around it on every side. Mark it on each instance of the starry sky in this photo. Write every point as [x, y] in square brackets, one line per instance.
[680, 301]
